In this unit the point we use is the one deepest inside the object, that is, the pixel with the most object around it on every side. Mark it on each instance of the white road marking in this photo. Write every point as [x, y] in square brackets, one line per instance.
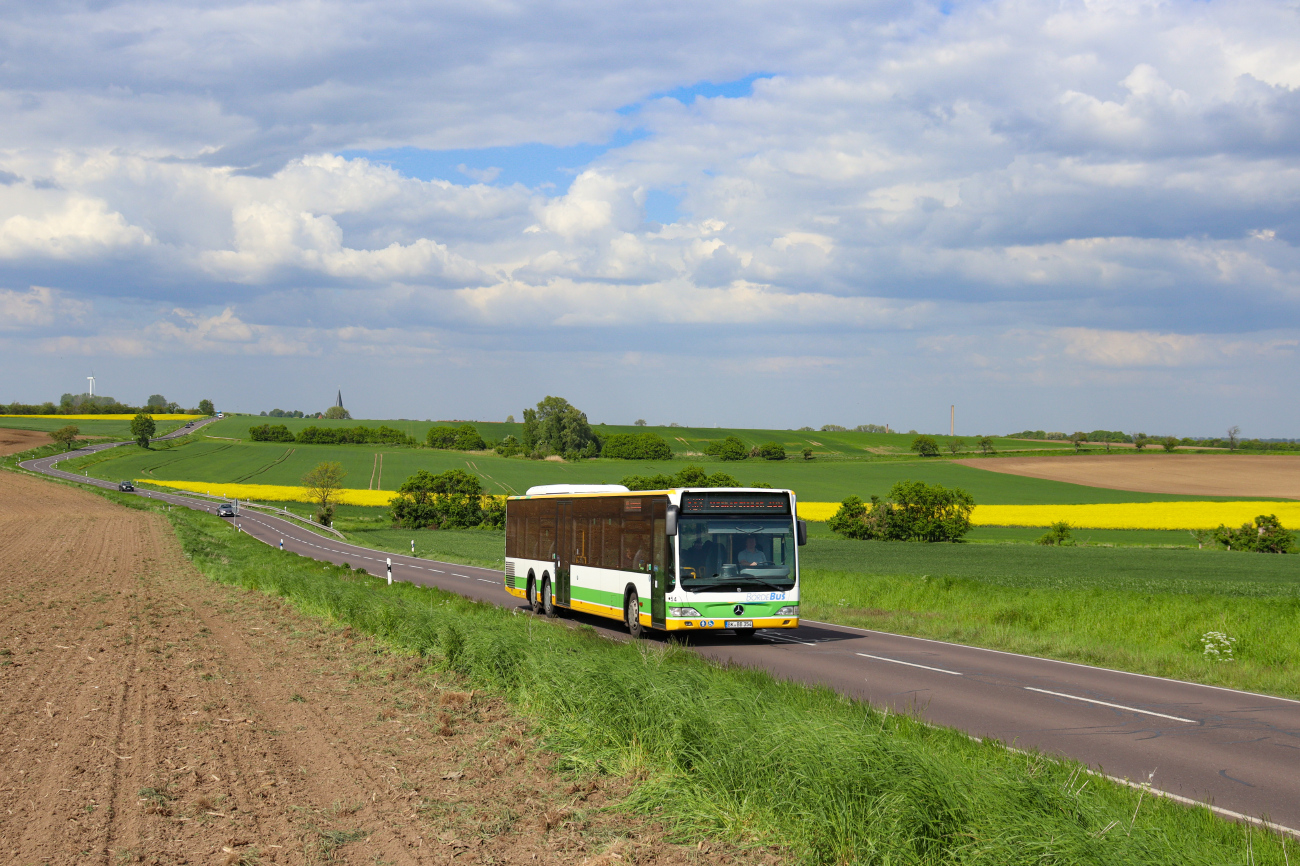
[909, 664]
[1116, 706]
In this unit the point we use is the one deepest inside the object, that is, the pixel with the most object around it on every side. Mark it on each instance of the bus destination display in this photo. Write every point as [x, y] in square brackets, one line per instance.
[733, 503]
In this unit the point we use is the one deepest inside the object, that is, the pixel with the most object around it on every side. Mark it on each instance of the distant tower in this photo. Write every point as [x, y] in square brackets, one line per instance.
[340, 402]
[952, 420]
[91, 380]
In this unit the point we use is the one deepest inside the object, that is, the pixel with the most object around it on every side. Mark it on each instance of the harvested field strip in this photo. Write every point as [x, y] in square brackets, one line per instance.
[730, 751]
[1114, 515]
[158, 417]
[276, 462]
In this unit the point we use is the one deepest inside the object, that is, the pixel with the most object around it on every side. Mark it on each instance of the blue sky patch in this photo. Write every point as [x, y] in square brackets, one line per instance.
[533, 165]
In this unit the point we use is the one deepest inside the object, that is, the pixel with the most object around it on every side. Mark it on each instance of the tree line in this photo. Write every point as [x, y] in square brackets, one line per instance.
[85, 404]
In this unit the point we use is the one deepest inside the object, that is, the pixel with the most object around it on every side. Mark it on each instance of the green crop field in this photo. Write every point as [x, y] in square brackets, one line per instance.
[684, 440]
[846, 784]
[230, 462]
[112, 429]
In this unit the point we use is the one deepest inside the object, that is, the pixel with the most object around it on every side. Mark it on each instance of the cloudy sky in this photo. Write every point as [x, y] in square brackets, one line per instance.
[1054, 215]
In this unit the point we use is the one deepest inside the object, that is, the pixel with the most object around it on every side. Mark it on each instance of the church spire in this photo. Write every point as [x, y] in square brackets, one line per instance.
[340, 402]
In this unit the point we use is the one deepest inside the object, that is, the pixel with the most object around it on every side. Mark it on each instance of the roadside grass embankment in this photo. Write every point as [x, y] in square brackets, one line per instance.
[731, 752]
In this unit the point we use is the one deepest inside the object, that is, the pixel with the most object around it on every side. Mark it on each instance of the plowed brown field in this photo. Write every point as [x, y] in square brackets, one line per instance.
[150, 715]
[1249, 476]
[13, 441]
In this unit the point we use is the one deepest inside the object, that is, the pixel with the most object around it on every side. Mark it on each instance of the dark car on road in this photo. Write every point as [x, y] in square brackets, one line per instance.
[225, 509]
[125, 485]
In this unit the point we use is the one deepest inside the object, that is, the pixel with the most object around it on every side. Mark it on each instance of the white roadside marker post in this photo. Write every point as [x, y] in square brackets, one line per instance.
[412, 547]
[390, 570]
[282, 544]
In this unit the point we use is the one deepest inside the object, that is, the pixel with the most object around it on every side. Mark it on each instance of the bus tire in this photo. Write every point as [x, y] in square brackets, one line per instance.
[632, 614]
[533, 604]
[744, 633]
[548, 601]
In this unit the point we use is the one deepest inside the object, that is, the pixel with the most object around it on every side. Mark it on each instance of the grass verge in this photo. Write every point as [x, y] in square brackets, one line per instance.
[732, 752]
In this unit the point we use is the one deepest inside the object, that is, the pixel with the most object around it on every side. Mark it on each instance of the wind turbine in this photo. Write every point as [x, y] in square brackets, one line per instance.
[91, 380]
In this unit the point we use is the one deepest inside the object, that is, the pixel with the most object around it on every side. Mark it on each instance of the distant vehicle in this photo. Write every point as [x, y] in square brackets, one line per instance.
[191, 424]
[126, 486]
[221, 414]
[225, 509]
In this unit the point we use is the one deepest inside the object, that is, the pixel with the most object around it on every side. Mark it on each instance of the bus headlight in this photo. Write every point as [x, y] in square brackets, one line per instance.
[683, 611]
[789, 610]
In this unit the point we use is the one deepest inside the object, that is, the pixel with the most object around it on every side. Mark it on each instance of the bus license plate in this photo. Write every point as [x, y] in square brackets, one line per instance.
[738, 623]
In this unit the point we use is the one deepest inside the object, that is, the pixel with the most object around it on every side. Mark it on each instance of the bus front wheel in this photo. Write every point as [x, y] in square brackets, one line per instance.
[632, 615]
[533, 604]
[548, 603]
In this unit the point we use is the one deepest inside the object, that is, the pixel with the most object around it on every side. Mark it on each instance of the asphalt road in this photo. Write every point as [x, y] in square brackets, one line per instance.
[1235, 750]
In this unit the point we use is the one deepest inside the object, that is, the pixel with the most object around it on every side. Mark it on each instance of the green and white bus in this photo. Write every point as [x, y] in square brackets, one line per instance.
[675, 560]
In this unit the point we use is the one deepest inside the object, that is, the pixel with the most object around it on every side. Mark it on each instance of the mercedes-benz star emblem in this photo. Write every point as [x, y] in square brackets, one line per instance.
[738, 609]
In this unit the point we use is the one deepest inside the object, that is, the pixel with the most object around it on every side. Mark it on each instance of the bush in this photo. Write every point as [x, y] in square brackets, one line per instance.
[361, 435]
[730, 448]
[771, 451]
[449, 500]
[463, 438]
[925, 446]
[1058, 535]
[690, 476]
[270, 433]
[1265, 535]
[914, 511]
[636, 446]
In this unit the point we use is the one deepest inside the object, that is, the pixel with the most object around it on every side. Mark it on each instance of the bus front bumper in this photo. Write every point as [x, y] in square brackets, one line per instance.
[705, 624]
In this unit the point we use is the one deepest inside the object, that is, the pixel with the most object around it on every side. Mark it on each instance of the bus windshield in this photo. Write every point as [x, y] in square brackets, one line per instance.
[737, 552]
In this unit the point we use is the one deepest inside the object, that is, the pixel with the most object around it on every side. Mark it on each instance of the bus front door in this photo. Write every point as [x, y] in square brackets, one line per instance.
[564, 551]
[661, 544]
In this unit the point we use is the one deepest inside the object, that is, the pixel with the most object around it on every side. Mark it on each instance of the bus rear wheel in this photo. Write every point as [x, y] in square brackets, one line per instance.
[533, 604]
[632, 615]
[548, 603]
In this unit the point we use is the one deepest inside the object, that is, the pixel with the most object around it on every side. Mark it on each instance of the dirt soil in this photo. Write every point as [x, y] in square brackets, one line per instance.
[13, 441]
[1250, 476]
[149, 715]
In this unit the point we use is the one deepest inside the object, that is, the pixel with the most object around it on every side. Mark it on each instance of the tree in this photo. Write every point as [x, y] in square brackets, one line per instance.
[270, 433]
[563, 429]
[640, 422]
[449, 500]
[1233, 432]
[1140, 441]
[955, 446]
[142, 429]
[986, 445]
[65, 436]
[925, 446]
[323, 483]
[510, 419]
[689, 476]
[1057, 536]
[206, 408]
[529, 435]
[156, 402]
[1078, 438]
[807, 454]
[1169, 443]
[337, 413]
[771, 451]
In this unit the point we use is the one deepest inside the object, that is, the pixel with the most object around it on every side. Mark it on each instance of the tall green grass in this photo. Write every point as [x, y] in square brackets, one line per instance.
[732, 752]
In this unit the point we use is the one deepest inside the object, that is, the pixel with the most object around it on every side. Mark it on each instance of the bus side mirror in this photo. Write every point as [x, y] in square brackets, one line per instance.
[801, 527]
[670, 523]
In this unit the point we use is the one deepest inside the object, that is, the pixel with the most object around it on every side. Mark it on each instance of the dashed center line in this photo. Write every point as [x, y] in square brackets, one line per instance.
[1115, 706]
[910, 664]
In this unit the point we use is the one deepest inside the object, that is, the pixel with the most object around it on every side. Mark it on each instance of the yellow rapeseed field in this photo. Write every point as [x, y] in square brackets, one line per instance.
[1120, 515]
[274, 492]
[156, 417]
